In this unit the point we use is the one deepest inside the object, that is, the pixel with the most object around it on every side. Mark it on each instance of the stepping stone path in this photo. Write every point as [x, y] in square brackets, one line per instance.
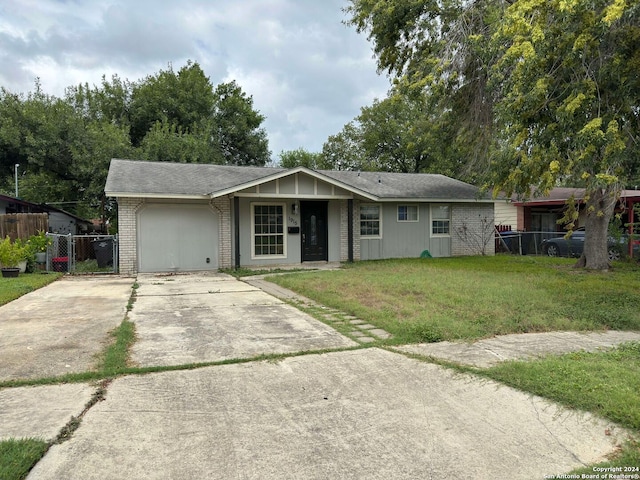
[349, 325]
[358, 329]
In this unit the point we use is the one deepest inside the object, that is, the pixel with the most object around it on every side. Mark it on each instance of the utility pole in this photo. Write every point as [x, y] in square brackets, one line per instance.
[16, 175]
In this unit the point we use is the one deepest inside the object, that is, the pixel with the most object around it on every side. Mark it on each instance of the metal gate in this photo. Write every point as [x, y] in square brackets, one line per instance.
[79, 254]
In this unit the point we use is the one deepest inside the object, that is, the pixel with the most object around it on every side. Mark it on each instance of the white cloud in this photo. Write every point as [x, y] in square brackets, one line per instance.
[307, 72]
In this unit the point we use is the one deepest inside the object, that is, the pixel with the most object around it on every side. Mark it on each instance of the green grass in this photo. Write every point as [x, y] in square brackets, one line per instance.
[116, 356]
[91, 266]
[12, 288]
[249, 272]
[605, 383]
[17, 457]
[427, 300]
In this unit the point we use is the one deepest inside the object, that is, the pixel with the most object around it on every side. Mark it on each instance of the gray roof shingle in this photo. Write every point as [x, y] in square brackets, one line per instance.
[134, 177]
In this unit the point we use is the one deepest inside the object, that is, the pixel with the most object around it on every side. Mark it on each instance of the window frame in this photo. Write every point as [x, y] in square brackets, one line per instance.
[407, 206]
[379, 207]
[254, 235]
[434, 219]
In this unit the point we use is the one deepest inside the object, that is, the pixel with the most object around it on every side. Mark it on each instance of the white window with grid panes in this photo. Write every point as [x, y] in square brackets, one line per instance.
[268, 227]
[440, 220]
[370, 221]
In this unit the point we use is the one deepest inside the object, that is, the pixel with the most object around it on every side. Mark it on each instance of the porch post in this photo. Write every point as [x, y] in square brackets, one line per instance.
[236, 228]
[350, 230]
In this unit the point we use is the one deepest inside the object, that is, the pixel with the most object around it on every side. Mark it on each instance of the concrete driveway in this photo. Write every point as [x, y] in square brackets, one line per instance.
[208, 317]
[60, 328]
[367, 413]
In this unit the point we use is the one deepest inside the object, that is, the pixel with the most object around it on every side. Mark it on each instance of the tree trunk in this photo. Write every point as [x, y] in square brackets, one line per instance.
[599, 208]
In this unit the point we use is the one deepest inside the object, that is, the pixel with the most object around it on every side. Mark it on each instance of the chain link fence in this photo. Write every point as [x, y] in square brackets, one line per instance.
[530, 243]
[79, 254]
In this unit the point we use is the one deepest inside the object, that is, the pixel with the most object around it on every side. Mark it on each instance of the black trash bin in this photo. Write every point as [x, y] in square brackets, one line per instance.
[104, 252]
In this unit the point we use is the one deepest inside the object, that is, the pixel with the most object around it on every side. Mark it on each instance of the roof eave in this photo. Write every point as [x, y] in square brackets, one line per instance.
[435, 200]
[168, 196]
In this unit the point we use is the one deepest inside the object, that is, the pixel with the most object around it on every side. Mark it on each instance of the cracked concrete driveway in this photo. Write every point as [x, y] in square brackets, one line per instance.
[208, 317]
[367, 414]
[363, 413]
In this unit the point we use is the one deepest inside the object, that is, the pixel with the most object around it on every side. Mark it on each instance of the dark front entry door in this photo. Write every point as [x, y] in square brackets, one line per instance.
[314, 231]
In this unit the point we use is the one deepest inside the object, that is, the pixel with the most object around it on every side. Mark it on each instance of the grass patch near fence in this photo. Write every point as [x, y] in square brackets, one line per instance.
[17, 457]
[467, 298]
[12, 288]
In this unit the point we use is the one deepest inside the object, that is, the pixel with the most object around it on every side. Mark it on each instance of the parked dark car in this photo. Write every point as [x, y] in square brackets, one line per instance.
[573, 247]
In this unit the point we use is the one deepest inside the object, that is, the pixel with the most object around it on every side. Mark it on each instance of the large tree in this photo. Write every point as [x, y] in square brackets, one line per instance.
[569, 103]
[63, 157]
[64, 145]
[549, 87]
[400, 133]
[237, 127]
[302, 158]
[182, 99]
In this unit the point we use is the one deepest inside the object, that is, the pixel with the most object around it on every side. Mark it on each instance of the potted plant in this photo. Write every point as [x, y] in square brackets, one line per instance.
[10, 256]
[38, 245]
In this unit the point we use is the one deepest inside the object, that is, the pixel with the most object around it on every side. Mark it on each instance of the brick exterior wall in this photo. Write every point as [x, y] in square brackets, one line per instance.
[344, 231]
[472, 227]
[225, 240]
[127, 236]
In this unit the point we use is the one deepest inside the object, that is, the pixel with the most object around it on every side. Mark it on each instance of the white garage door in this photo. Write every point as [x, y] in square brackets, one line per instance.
[177, 238]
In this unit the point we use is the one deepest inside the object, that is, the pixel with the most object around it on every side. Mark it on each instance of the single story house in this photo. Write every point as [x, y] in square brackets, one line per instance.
[182, 217]
[61, 222]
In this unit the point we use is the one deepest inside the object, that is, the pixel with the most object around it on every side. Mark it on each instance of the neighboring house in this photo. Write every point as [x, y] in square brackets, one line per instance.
[181, 217]
[59, 221]
[541, 214]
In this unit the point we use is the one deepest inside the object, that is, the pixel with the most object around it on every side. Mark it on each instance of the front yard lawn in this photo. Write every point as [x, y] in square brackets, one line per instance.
[12, 288]
[468, 298]
[430, 300]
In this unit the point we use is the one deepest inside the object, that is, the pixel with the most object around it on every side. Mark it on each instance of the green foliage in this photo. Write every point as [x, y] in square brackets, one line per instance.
[180, 99]
[539, 92]
[237, 127]
[64, 145]
[302, 158]
[344, 150]
[401, 133]
[606, 383]
[11, 253]
[17, 457]
[116, 355]
[170, 143]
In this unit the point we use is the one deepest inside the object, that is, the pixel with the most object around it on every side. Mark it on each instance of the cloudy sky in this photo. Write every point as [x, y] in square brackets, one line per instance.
[308, 73]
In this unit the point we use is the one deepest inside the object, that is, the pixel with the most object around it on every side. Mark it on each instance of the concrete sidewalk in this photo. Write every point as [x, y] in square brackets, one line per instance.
[523, 346]
[367, 414]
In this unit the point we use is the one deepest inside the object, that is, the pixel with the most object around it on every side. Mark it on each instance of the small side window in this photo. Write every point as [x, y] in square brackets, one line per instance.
[407, 213]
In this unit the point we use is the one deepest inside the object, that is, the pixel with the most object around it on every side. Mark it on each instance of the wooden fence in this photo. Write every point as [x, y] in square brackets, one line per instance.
[23, 225]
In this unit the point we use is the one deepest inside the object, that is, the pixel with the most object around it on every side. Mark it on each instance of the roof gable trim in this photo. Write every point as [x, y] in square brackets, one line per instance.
[294, 171]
